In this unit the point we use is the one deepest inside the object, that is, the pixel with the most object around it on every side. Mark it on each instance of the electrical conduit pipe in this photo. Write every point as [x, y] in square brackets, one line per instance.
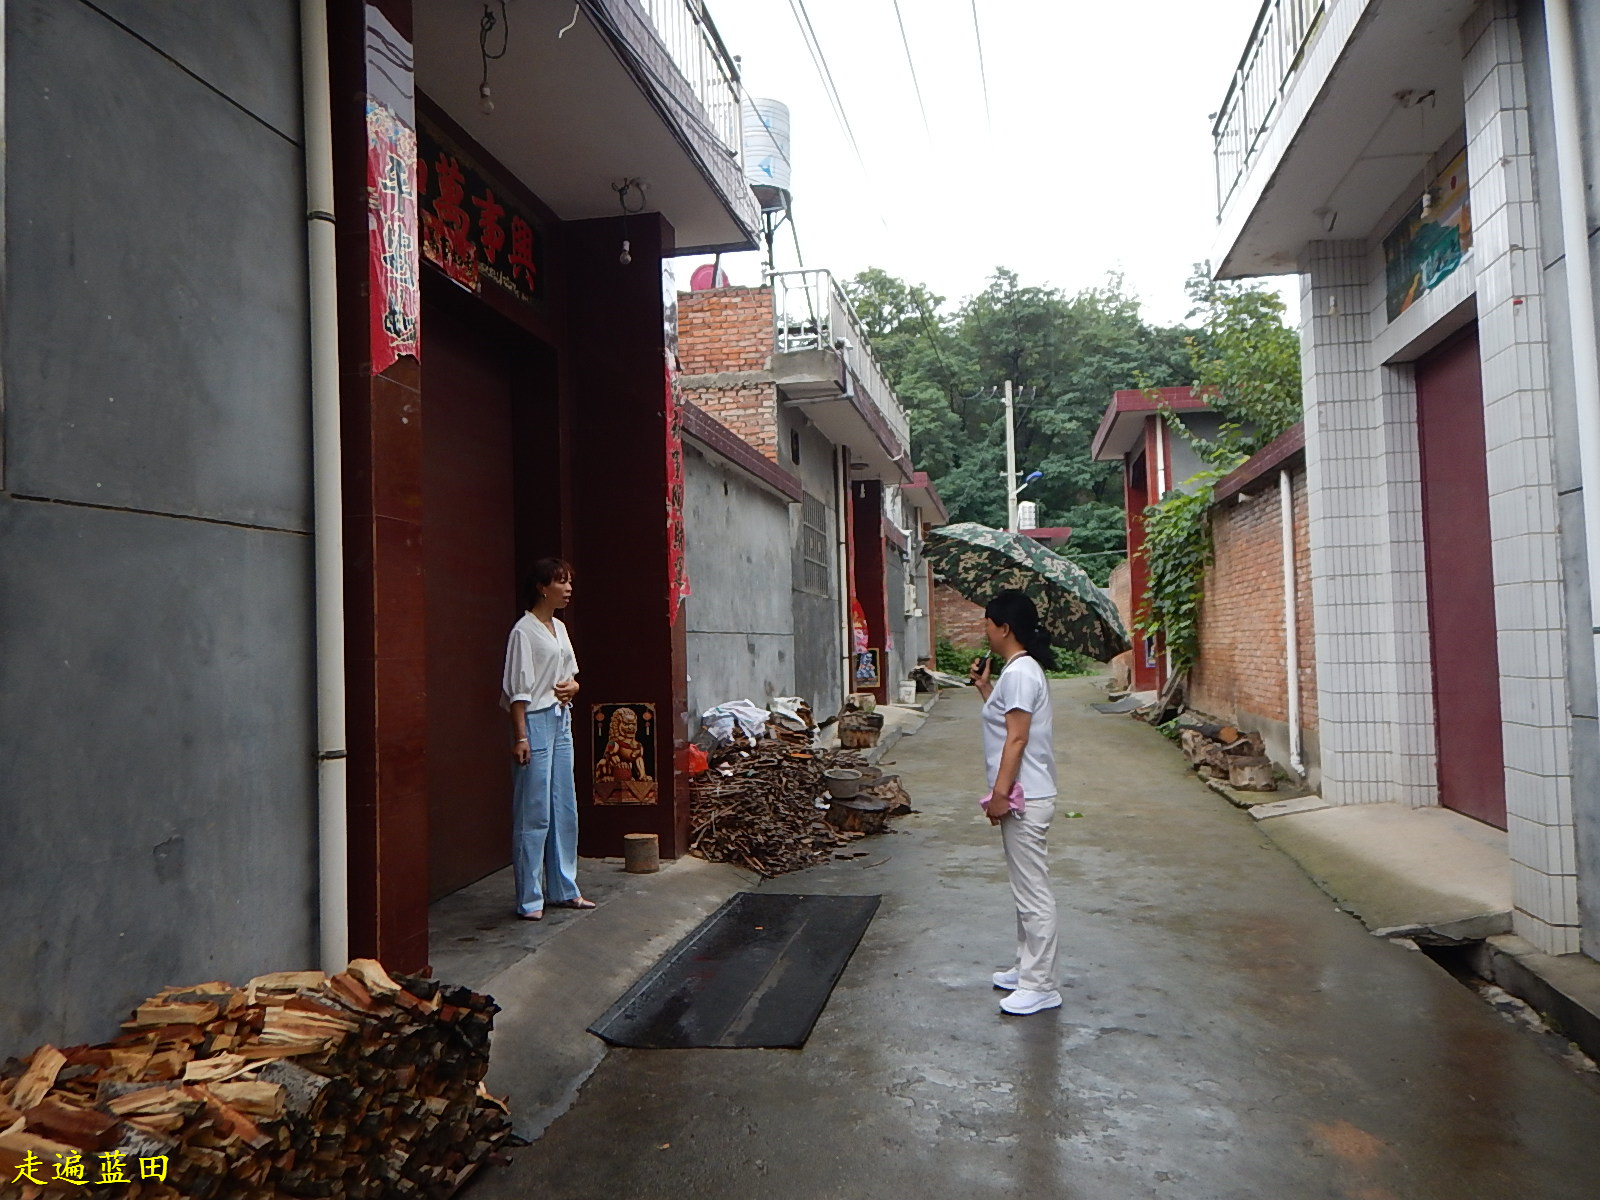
[842, 548]
[1160, 495]
[1291, 631]
[1571, 189]
[333, 915]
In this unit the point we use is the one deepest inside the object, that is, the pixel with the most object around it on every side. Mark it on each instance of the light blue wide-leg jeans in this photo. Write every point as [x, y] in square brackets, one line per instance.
[544, 814]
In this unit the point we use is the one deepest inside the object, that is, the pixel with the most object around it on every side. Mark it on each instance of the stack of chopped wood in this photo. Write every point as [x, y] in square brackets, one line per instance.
[757, 806]
[892, 792]
[880, 797]
[786, 728]
[1227, 754]
[297, 1084]
[791, 737]
[860, 730]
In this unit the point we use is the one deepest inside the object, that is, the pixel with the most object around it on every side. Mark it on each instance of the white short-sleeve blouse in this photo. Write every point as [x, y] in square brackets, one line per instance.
[536, 660]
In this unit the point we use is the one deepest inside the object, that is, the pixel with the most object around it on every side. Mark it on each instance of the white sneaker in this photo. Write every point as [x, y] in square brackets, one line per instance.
[1022, 1002]
[1005, 979]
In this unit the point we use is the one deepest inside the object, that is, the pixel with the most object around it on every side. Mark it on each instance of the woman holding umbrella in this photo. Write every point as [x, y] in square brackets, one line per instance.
[1020, 764]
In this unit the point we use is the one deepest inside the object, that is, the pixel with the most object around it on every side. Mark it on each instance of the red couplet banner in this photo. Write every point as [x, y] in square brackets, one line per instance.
[395, 295]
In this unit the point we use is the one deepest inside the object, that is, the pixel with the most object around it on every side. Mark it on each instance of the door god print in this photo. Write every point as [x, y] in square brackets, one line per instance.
[624, 753]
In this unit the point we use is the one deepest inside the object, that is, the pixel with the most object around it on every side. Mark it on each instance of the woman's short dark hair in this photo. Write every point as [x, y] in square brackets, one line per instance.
[541, 575]
[1017, 610]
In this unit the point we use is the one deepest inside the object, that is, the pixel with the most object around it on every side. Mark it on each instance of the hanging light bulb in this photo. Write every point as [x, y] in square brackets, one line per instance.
[622, 189]
[486, 27]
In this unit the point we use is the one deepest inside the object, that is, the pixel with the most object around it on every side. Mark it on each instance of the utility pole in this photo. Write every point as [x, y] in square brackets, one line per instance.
[1011, 463]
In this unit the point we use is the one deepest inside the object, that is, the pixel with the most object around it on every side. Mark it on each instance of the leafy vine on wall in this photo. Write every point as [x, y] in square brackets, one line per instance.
[1178, 551]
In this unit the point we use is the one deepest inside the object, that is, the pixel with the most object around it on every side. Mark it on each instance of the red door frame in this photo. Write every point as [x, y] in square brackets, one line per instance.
[1145, 677]
[607, 327]
[871, 588]
[1460, 573]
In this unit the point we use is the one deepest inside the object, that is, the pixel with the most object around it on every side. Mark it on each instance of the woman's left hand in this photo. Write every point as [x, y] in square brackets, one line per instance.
[566, 690]
[1003, 806]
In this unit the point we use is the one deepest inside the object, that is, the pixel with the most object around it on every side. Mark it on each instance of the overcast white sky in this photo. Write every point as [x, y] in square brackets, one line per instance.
[1097, 157]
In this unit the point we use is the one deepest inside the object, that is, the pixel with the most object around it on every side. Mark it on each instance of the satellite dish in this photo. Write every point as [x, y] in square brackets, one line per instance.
[707, 276]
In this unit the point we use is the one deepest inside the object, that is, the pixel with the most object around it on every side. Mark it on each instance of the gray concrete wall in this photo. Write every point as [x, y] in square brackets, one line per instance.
[1186, 461]
[1569, 476]
[156, 720]
[740, 623]
[900, 663]
[918, 629]
[819, 664]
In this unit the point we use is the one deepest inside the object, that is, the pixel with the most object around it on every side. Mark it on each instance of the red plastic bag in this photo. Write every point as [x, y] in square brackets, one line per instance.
[697, 760]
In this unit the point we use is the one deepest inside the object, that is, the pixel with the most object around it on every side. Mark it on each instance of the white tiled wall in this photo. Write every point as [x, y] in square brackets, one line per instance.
[1364, 501]
[1375, 720]
[1536, 723]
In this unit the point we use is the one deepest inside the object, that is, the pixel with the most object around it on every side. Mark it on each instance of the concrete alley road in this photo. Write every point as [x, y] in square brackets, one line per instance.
[1226, 1032]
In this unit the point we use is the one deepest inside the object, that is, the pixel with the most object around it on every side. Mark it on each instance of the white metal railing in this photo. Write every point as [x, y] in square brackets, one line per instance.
[1284, 31]
[691, 38]
[810, 312]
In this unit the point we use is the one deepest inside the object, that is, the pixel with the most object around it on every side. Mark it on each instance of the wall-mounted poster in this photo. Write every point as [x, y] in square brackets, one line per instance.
[1428, 243]
[868, 674]
[858, 625]
[624, 753]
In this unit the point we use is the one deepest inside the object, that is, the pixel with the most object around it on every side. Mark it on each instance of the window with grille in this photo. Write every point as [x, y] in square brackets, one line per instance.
[814, 545]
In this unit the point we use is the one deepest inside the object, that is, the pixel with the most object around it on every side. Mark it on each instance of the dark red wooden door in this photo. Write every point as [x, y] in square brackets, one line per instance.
[469, 552]
[1455, 523]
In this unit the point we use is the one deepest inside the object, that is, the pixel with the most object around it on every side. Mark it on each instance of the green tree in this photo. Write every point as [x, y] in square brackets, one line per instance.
[1065, 353]
[1246, 360]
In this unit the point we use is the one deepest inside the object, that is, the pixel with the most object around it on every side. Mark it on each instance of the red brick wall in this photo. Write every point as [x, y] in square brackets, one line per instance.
[728, 332]
[1242, 649]
[956, 619]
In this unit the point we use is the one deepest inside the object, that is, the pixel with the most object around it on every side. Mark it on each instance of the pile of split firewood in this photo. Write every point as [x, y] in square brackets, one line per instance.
[1229, 755]
[297, 1084]
[763, 806]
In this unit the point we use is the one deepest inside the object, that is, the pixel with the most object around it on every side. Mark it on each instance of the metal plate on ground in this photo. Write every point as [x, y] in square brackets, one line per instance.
[1125, 705]
[756, 973]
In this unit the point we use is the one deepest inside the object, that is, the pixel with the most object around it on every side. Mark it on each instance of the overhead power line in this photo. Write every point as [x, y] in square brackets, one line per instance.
[820, 60]
[794, 233]
[777, 143]
[977, 34]
[911, 65]
[929, 328]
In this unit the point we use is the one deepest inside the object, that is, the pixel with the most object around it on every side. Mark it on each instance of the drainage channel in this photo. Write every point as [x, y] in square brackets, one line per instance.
[1463, 963]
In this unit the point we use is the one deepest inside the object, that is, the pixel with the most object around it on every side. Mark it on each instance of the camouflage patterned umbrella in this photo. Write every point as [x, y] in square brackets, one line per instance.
[979, 561]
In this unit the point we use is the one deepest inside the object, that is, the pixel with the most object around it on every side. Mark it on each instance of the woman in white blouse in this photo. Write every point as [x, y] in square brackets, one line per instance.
[537, 688]
[1019, 752]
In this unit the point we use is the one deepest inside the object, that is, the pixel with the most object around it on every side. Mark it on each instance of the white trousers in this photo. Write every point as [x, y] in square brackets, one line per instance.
[1024, 835]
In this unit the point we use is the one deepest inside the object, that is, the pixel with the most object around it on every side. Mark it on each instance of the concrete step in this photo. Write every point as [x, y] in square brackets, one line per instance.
[1429, 874]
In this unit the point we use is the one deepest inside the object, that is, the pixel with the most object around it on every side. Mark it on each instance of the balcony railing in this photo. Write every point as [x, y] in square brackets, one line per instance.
[810, 312]
[1283, 32]
[691, 38]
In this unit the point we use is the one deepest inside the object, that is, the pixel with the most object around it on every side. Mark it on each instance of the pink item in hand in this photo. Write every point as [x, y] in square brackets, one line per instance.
[992, 807]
